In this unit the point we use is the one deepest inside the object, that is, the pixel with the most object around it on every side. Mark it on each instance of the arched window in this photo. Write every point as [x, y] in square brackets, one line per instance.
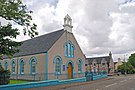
[79, 62]
[22, 66]
[33, 63]
[69, 49]
[33, 66]
[72, 51]
[13, 67]
[6, 65]
[66, 50]
[58, 65]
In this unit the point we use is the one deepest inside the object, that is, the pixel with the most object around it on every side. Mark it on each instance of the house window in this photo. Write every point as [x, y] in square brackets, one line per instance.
[21, 67]
[6, 65]
[58, 65]
[13, 67]
[79, 62]
[69, 49]
[33, 62]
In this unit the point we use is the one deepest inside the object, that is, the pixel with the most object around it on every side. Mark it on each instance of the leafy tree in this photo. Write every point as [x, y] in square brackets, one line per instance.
[14, 12]
[126, 67]
[132, 60]
[121, 68]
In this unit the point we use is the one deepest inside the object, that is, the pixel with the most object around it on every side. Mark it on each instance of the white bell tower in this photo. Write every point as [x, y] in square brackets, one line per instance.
[68, 23]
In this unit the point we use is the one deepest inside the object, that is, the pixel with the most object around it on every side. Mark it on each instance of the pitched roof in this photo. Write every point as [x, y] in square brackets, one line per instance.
[98, 59]
[39, 44]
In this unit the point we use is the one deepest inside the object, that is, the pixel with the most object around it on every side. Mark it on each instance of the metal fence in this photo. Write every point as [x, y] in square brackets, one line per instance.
[95, 75]
[42, 76]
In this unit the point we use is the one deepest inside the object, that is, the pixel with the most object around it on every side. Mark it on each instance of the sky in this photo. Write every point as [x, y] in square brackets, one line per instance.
[99, 26]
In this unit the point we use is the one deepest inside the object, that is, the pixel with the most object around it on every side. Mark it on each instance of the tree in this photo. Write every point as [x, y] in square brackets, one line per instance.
[132, 60]
[126, 67]
[14, 11]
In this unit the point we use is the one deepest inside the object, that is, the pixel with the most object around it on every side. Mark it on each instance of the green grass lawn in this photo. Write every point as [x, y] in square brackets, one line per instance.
[17, 81]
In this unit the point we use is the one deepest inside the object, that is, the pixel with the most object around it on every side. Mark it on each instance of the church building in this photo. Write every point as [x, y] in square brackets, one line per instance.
[55, 55]
[100, 64]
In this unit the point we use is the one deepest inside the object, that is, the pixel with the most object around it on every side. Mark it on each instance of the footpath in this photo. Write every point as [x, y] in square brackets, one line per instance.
[64, 86]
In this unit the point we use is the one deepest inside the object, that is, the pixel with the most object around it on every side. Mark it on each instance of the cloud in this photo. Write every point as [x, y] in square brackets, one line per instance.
[100, 26]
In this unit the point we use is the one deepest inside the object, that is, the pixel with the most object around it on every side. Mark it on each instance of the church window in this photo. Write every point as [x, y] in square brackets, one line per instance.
[69, 49]
[22, 66]
[79, 62]
[33, 62]
[58, 65]
[6, 65]
[13, 67]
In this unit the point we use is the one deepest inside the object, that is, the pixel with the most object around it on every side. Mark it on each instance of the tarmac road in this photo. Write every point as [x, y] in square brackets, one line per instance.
[112, 83]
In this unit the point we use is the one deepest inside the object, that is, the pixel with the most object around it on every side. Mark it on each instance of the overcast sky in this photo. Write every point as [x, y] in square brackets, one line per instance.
[99, 26]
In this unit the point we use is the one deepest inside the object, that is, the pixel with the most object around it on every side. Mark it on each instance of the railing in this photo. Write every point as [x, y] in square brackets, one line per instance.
[95, 75]
[42, 76]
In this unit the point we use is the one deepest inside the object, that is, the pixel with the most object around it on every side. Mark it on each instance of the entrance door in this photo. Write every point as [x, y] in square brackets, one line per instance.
[70, 71]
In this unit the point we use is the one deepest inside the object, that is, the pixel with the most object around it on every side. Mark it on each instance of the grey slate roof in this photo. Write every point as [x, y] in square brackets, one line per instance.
[39, 44]
[98, 59]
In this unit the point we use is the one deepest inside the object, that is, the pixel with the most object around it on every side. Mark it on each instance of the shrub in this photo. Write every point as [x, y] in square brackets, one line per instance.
[4, 76]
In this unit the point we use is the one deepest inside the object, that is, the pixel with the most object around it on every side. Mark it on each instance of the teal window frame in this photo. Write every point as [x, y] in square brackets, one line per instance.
[22, 66]
[6, 65]
[33, 62]
[79, 64]
[13, 67]
[66, 50]
[69, 49]
[57, 65]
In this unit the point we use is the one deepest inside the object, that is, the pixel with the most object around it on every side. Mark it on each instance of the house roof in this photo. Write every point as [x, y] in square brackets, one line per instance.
[98, 59]
[39, 44]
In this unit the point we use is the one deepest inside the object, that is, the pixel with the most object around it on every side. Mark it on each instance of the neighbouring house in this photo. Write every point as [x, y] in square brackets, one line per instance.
[100, 64]
[55, 55]
[118, 63]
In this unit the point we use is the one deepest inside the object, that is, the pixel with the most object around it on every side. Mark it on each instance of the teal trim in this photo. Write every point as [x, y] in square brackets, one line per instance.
[22, 59]
[33, 59]
[40, 84]
[70, 61]
[66, 50]
[100, 77]
[79, 62]
[5, 64]
[69, 49]
[13, 64]
[61, 63]
[46, 66]
[21, 62]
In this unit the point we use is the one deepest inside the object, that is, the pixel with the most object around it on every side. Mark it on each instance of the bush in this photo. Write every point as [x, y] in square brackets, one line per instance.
[4, 76]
